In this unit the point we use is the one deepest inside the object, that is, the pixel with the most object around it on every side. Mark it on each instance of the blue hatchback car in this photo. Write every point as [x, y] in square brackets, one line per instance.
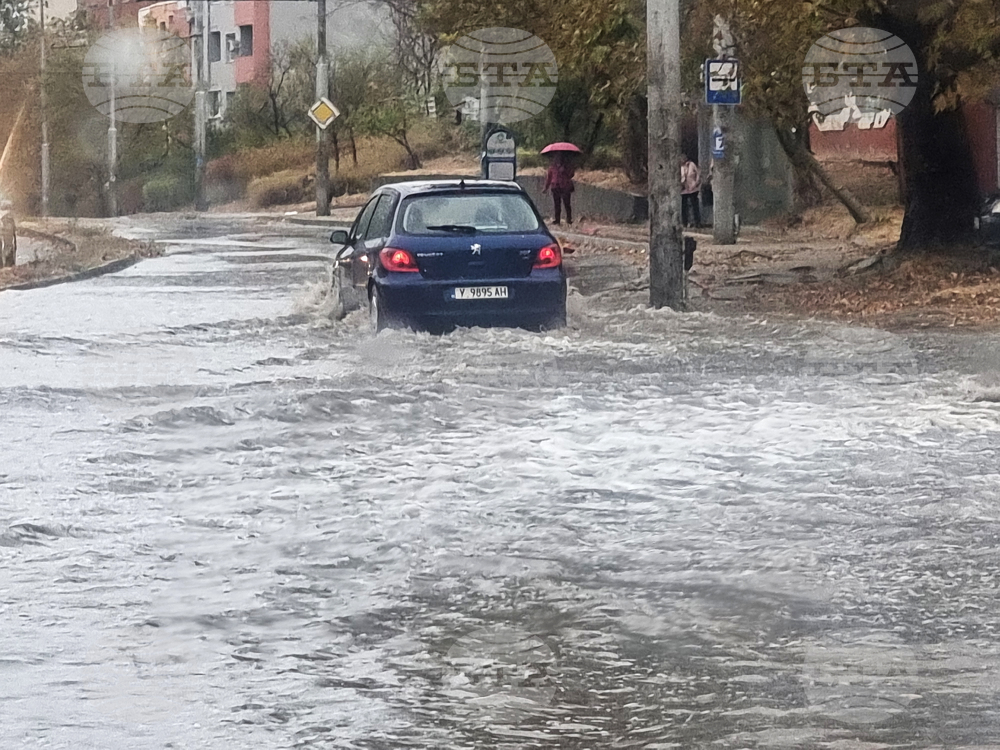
[445, 253]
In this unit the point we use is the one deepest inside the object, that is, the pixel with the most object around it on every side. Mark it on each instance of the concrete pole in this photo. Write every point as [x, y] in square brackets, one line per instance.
[724, 179]
[704, 153]
[113, 126]
[724, 170]
[667, 280]
[43, 104]
[484, 114]
[203, 28]
[322, 90]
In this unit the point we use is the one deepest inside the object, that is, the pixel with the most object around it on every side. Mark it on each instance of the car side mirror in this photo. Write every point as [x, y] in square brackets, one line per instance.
[339, 237]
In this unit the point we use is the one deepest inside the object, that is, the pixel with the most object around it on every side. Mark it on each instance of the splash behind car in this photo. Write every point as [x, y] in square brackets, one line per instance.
[445, 253]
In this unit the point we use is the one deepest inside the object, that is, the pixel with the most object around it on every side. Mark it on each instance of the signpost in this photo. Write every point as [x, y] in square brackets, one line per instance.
[722, 81]
[323, 112]
[723, 91]
[499, 159]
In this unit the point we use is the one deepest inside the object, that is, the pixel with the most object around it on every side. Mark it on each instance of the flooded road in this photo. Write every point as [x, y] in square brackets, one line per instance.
[229, 522]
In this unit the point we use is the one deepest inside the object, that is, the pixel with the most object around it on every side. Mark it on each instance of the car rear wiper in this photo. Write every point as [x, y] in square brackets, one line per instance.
[456, 228]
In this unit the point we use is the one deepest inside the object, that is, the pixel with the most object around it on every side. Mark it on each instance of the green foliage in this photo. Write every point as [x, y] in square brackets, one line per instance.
[15, 24]
[248, 123]
[167, 192]
[389, 108]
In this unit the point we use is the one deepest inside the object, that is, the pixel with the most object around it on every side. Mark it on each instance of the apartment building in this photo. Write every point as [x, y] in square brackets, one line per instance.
[241, 33]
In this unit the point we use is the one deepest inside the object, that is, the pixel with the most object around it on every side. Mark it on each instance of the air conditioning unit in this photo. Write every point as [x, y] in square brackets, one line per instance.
[232, 47]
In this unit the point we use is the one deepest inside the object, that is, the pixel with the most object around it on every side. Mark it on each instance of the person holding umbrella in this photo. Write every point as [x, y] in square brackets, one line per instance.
[559, 178]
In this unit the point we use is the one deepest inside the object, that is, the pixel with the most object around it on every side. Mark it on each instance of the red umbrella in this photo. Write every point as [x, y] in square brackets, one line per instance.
[561, 146]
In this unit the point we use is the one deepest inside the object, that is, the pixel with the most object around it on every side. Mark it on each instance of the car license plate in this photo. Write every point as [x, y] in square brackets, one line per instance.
[481, 292]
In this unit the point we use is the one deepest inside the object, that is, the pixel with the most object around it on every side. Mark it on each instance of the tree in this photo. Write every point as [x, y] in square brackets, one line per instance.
[353, 72]
[599, 44]
[957, 47]
[414, 50]
[389, 109]
[15, 24]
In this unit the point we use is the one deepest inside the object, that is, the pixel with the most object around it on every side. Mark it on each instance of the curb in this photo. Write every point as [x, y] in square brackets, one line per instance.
[318, 222]
[28, 232]
[112, 267]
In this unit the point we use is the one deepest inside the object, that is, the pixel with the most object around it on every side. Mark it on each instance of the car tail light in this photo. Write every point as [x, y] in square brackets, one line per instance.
[395, 259]
[549, 256]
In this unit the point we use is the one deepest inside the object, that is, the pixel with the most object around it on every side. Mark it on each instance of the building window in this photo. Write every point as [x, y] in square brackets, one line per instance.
[215, 46]
[214, 104]
[232, 48]
[246, 41]
[230, 98]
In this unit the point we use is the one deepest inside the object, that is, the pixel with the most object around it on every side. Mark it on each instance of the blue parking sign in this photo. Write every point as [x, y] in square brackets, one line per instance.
[722, 81]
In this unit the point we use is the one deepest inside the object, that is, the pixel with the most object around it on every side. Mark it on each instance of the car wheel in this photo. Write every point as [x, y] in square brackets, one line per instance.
[337, 296]
[376, 313]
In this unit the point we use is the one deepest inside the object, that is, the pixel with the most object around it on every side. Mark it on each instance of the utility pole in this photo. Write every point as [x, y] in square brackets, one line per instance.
[43, 102]
[203, 29]
[113, 126]
[666, 247]
[322, 92]
[724, 168]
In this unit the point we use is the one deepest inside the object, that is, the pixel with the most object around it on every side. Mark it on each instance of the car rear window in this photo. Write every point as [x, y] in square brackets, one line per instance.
[483, 212]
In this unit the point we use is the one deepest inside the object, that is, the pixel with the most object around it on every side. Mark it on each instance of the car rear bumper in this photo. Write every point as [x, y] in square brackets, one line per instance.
[532, 300]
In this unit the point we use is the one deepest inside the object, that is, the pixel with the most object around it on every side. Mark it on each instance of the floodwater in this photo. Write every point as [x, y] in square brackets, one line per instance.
[227, 521]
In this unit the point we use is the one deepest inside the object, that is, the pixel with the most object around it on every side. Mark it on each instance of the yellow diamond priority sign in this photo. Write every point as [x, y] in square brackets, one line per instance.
[323, 112]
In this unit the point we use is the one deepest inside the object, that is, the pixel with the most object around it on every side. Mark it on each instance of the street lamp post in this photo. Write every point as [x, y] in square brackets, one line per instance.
[43, 101]
[667, 281]
[322, 91]
[204, 23]
[113, 127]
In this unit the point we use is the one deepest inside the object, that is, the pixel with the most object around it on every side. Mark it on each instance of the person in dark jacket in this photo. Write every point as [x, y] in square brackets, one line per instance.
[559, 179]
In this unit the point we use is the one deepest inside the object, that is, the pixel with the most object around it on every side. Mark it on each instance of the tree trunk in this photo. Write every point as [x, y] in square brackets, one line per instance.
[635, 148]
[940, 193]
[336, 150]
[808, 192]
[595, 131]
[939, 177]
[412, 160]
[354, 147]
[805, 163]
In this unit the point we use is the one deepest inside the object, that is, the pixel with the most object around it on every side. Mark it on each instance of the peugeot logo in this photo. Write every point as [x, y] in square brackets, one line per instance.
[477, 249]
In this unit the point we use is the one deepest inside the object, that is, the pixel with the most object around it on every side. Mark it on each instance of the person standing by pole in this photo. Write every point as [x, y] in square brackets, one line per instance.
[690, 186]
[559, 179]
